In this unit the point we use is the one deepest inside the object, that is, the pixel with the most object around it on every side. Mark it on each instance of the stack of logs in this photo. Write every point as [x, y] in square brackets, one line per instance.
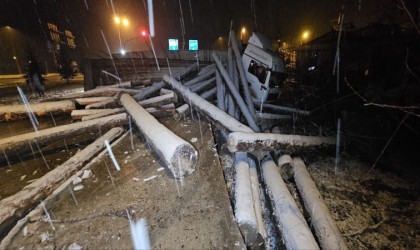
[234, 114]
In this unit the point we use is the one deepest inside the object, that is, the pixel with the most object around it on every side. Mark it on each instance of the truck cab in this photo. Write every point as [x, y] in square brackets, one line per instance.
[265, 69]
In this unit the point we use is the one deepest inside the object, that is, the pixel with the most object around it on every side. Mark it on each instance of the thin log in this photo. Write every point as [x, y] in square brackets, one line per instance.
[210, 67]
[126, 84]
[105, 91]
[77, 114]
[138, 83]
[266, 118]
[326, 230]
[215, 114]
[200, 78]
[283, 108]
[111, 102]
[181, 111]
[16, 206]
[291, 223]
[19, 111]
[221, 92]
[159, 100]
[245, 111]
[163, 111]
[209, 93]
[248, 142]
[21, 143]
[180, 157]
[157, 86]
[164, 91]
[202, 85]
[89, 100]
[103, 114]
[240, 67]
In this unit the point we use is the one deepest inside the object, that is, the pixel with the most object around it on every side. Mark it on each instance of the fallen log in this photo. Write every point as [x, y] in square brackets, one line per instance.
[19, 111]
[199, 78]
[157, 86]
[159, 100]
[105, 91]
[248, 142]
[111, 102]
[285, 164]
[138, 83]
[179, 155]
[266, 118]
[163, 111]
[202, 85]
[282, 108]
[16, 206]
[77, 114]
[21, 143]
[102, 114]
[89, 100]
[291, 223]
[126, 84]
[244, 201]
[164, 91]
[181, 111]
[53, 198]
[209, 93]
[211, 111]
[326, 230]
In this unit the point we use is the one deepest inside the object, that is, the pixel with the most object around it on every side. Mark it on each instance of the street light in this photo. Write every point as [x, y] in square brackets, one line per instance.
[243, 30]
[305, 36]
[124, 22]
[17, 64]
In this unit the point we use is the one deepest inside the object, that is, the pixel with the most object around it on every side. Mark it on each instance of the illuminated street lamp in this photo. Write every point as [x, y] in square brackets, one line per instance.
[124, 22]
[243, 31]
[305, 36]
[17, 64]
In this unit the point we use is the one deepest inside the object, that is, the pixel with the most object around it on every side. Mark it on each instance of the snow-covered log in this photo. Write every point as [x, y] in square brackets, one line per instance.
[111, 102]
[248, 142]
[19, 111]
[282, 108]
[202, 85]
[179, 155]
[126, 84]
[291, 223]
[210, 67]
[23, 143]
[221, 92]
[326, 230]
[162, 111]
[181, 111]
[235, 93]
[77, 114]
[200, 78]
[157, 86]
[209, 93]
[105, 91]
[102, 114]
[285, 164]
[164, 91]
[159, 100]
[244, 201]
[211, 111]
[138, 83]
[16, 206]
[89, 100]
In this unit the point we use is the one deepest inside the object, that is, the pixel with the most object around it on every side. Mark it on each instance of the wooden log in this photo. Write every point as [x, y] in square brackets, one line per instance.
[209, 93]
[282, 108]
[163, 111]
[21, 143]
[164, 91]
[159, 100]
[16, 206]
[248, 142]
[215, 114]
[285, 164]
[157, 86]
[111, 102]
[291, 223]
[19, 111]
[202, 85]
[138, 83]
[53, 198]
[181, 111]
[102, 114]
[126, 84]
[89, 100]
[179, 155]
[326, 230]
[200, 78]
[105, 91]
[77, 114]
[265, 118]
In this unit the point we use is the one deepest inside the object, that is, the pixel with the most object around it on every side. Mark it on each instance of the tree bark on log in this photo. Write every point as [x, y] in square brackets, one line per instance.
[19, 111]
[102, 114]
[16, 206]
[159, 100]
[21, 143]
[285, 164]
[295, 231]
[326, 230]
[181, 111]
[90, 100]
[77, 114]
[179, 155]
[105, 91]
[211, 111]
[248, 142]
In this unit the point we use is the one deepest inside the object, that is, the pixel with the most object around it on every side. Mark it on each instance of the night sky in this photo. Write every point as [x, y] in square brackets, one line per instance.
[205, 20]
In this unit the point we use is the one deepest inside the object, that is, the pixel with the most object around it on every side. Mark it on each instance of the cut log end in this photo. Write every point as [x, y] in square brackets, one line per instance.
[184, 161]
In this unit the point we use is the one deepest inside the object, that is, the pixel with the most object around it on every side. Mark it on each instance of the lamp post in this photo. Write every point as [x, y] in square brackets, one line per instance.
[124, 22]
[17, 64]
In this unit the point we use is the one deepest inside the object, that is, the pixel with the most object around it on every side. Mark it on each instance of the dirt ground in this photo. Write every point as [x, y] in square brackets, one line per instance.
[193, 214]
